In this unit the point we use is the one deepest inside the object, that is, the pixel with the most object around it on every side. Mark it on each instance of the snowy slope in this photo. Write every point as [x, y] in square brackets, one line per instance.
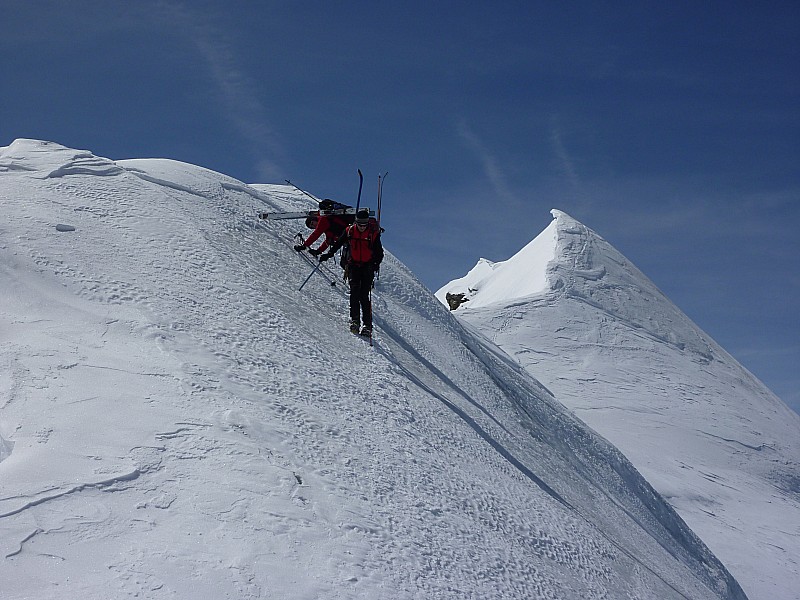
[178, 421]
[705, 433]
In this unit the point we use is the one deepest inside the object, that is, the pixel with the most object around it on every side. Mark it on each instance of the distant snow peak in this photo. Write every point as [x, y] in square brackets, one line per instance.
[521, 276]
[570, 261]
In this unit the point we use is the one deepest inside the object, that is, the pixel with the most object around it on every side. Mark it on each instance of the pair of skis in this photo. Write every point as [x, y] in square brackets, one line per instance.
[381, 179]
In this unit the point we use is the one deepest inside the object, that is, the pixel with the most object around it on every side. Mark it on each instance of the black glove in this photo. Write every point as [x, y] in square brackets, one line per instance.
[314, 251]
[300, 247]
[326, 256]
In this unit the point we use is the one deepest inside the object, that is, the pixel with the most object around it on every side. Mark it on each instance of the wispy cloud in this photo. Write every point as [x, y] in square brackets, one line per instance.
[491, 167]
[565, 162]
[237, 91]
[581, 198]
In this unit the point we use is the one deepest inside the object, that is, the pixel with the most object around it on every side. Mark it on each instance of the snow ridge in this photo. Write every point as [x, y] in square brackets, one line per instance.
[180, 422]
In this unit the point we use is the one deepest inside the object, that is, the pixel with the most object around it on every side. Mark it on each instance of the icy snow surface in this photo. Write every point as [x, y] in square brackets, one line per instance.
[178, 421]
[705, 433]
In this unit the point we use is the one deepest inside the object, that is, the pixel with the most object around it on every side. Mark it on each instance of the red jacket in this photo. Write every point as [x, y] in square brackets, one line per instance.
[365, 246]
[332, 226]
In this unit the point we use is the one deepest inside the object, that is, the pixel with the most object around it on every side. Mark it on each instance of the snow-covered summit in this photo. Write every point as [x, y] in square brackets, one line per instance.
[522, 275]
[704, 431]
[569, 260]
[177, 420]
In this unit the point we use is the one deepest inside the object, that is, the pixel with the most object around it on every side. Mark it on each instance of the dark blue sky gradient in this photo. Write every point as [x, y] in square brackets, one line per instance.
[671, 129]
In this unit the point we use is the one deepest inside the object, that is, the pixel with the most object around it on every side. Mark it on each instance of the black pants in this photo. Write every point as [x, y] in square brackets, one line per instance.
[361, 277]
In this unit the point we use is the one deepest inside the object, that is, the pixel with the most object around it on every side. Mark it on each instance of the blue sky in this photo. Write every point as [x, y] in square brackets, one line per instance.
[671, 129]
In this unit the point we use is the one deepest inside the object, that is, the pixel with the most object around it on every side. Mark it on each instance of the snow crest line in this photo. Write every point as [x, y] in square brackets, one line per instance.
[78, 488]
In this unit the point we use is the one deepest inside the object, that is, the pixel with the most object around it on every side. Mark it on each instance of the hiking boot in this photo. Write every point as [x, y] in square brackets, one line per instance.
[366, 331]
[354, 326]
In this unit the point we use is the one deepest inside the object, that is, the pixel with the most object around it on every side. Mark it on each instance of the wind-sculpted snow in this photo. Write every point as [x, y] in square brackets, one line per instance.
[180, 422]
[590, 270]
[707, 435]
[52, 160]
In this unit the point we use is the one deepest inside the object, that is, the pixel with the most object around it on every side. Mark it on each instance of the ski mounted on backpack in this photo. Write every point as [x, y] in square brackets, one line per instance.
[360, 185]
[278, 216]
[326, 207]
[304, 214]
[381, 179]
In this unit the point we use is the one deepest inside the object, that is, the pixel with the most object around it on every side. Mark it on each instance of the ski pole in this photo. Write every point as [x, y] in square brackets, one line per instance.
[330, 274]
[319, 264]
[371, 312]
[302, 191]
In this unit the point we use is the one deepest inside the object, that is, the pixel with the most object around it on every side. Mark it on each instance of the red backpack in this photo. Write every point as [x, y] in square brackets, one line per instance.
[361, 242]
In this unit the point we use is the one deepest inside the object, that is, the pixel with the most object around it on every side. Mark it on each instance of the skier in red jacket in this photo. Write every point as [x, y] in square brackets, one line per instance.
[365, 256]
[331, 225]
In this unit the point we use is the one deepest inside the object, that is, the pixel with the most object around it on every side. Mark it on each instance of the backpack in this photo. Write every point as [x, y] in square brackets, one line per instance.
[338, 224]
[329, 206]
[370, 242]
